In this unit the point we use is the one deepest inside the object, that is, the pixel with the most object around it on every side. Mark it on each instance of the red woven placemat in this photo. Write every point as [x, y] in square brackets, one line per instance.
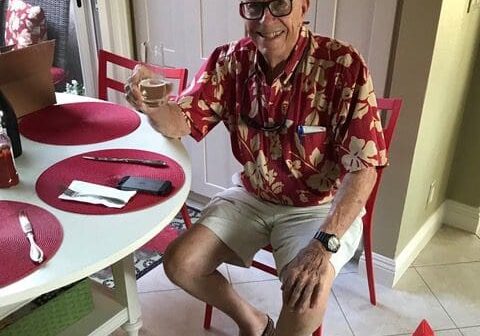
[79, 123]
[14, 247]
[56, 178]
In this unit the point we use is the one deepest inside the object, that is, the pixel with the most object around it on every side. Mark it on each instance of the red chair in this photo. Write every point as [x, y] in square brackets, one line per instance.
[424, 329]
[105, 82]
[389, 121]
[389, 110]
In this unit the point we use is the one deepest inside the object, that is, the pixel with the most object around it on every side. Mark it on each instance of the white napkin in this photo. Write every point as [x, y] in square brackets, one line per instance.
[87, 193]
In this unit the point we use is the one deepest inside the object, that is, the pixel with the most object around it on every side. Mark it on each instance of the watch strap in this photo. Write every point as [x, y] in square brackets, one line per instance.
[324, 237]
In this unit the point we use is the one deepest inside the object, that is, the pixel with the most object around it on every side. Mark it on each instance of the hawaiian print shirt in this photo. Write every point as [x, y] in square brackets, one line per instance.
[325, 83]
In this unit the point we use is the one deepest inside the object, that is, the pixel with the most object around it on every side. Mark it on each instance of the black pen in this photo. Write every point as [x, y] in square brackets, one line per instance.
[152, 163]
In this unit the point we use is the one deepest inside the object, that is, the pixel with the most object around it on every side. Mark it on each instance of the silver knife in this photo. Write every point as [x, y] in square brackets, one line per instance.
[36, 253]
[153, 163]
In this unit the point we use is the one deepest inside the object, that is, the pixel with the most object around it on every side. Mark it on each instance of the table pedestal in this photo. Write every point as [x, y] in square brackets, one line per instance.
[127, 294]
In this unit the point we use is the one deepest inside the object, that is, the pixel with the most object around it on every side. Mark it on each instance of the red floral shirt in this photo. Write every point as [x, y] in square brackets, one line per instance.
[325, 83]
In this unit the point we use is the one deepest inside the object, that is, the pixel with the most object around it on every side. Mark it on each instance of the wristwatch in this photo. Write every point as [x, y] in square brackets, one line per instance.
[328, 240]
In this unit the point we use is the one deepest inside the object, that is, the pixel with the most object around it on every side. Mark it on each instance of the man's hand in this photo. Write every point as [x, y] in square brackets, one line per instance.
[133, 93]
[303, 277]
[166, 118]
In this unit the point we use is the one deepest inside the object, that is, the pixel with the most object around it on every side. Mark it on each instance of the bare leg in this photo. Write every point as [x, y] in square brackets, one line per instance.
[295, 324]
[191, 263]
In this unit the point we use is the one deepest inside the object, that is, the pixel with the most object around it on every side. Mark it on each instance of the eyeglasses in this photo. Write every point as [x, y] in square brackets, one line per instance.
[266, 127]
[255, 125]
[254, 10]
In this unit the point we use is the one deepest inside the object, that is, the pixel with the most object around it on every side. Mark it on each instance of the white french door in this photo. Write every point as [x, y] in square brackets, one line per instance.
[106, 25]
[189, 31]
[87, 45]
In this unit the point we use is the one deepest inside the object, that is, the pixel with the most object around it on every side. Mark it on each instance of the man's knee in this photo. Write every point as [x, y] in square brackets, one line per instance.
[194, 254]
[178, 261]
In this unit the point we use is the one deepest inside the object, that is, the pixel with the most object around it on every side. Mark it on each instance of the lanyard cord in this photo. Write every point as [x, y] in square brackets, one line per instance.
[284, 106]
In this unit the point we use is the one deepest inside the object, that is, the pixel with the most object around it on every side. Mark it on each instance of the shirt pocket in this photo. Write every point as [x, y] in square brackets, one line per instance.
[304, 154]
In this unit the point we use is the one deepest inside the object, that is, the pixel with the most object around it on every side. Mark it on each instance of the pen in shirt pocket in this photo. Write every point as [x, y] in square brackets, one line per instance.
[304, 130]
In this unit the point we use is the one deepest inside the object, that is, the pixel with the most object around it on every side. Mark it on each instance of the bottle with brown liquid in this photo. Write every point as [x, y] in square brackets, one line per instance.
[11, 125]
[8, 171]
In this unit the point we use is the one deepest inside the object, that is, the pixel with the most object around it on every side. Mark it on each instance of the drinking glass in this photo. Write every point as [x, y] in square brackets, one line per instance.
[155, 89]
[154, 53]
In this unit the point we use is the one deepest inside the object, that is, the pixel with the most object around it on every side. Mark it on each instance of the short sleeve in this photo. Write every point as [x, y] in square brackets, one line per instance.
[359, 136]
[205, 101]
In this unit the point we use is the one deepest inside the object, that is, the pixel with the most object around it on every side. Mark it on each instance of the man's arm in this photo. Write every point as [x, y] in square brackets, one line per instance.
[302, 278]
[349, 200]
[168, 118]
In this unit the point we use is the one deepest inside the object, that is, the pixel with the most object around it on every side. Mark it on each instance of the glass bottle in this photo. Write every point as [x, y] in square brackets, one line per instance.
[11, 125]
[8, 171]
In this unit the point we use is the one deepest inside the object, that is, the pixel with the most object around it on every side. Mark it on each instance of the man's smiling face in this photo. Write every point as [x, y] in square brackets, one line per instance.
[275, 37]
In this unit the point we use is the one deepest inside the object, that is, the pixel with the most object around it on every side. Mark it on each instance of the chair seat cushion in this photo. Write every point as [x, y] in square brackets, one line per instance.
[24, 25]
[58, 75]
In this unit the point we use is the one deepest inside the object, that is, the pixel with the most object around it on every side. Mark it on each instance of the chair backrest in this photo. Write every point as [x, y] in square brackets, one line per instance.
[389, 110]
[57, 14]
[104, 82]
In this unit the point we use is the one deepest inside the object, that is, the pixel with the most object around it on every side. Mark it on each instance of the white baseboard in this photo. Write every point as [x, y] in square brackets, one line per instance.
[388, 271]
[383, 269]
[197, 201]
[462, 216]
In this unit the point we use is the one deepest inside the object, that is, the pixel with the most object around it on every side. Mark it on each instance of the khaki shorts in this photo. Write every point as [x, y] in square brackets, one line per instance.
[246, 224]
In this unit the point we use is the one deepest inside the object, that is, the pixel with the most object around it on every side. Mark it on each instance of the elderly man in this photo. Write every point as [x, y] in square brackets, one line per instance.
[301, 113]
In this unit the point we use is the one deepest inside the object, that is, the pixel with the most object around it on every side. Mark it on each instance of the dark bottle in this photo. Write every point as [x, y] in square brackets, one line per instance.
[8, 171]
[11, 125]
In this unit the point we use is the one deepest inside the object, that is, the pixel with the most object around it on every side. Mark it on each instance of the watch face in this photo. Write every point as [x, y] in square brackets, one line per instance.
[333, 244]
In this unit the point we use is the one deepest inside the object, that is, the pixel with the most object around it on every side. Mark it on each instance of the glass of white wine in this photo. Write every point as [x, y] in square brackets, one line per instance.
[155, 90]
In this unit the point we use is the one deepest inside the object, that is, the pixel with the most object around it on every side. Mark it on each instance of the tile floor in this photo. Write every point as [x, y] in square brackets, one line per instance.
[441, 286]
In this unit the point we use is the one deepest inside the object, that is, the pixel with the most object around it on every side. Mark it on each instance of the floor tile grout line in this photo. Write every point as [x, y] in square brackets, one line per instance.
[343, 313]
[254, 281]
[228, 275]
[435, 296]
[449, 264]
[449, 329]
[161, 291]
[460, 329]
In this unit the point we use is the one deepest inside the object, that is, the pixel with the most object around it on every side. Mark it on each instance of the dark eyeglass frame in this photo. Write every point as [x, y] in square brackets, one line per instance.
[263, 4]
[253, 123]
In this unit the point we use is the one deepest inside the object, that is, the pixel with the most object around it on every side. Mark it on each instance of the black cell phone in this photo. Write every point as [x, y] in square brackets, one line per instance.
[145, 185]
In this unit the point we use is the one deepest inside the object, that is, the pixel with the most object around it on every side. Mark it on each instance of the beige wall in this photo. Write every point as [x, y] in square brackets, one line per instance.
[450, 75]
[431, 71]
[464, 183]
[417, 26]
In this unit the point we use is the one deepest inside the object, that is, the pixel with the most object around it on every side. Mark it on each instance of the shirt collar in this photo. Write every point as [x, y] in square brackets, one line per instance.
[293, 60]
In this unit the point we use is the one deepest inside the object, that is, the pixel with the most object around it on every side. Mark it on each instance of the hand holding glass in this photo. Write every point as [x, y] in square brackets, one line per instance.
[155, 90]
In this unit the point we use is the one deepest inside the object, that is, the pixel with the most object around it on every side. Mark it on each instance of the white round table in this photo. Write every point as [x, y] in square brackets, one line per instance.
[93, 242]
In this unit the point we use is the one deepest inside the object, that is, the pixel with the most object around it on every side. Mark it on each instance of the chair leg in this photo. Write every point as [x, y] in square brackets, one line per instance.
[265, 268]
[207, 320]
[186, 216]
[318, 332]
[367, 242]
